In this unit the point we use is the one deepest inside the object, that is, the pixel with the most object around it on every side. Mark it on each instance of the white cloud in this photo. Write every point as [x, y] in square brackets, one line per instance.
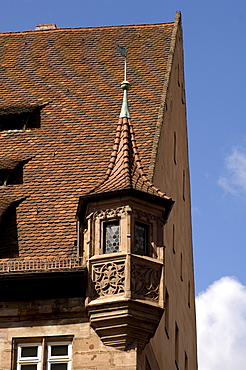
[221, 326]
[235, 181]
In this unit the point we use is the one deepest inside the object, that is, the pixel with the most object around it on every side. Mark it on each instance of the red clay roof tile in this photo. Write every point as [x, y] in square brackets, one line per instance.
[73, 74]
[125, 169]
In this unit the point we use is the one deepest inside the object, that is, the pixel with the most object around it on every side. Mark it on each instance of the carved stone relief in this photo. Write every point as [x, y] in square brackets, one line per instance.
[108, 278]
[144, 215]
[145, 281]
[112, 213]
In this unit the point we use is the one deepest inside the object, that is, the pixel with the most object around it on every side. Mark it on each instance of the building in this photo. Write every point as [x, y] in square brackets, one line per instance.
[96, 266]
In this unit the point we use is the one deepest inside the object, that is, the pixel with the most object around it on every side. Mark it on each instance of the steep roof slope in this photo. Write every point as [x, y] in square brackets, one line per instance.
[73, 74]
[125, 169]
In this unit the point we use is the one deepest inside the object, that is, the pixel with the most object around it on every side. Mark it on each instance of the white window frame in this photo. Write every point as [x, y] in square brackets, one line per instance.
[29, 360]
[43, 356]
[59, 359]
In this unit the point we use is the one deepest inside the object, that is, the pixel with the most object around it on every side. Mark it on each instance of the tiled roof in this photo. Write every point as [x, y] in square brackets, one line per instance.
[125, 169]
[74, 75]
[10, 163]
[6, 202]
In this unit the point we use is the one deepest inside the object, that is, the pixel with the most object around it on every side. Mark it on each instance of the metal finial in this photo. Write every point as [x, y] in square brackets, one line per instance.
[125, 85]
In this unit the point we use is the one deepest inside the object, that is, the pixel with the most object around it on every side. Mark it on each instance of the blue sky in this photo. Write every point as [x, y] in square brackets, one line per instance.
[215, 59]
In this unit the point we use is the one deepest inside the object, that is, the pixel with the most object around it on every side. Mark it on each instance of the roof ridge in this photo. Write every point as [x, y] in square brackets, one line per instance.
[161, 112]
[88, 28]
[140, 167]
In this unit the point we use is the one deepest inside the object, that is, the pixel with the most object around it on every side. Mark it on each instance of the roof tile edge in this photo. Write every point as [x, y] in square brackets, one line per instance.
[160, 118]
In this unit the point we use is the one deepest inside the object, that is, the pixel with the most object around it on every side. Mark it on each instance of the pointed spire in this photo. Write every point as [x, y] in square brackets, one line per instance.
[125, 170]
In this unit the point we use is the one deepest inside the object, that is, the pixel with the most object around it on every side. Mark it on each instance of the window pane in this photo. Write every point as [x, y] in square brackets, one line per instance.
[58, 366]
[29, 351]
[59, 350]
[141, 237]
[28, 367]
[112, 237]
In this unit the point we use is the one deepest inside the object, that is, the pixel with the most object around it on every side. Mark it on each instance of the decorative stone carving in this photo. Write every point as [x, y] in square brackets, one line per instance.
[126, 305]
[109, 278]
[124, 323]
[111, 213]
[144, 215]
[145, 281]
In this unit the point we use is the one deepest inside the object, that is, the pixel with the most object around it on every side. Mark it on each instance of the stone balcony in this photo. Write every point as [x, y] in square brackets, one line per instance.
[125, 301]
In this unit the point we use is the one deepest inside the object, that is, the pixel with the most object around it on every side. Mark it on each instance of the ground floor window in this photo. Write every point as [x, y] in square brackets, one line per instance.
[49, 355]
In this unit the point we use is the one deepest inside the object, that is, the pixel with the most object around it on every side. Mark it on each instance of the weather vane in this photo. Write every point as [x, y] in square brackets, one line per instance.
[122, 50]
[125, 86]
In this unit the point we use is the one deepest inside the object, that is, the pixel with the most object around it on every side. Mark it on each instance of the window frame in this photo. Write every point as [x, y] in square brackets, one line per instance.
[59, 359]
[29, 360]
[44, 359]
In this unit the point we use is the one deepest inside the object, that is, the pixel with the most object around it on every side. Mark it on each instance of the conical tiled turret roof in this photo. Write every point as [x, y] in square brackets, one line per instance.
[125, 170]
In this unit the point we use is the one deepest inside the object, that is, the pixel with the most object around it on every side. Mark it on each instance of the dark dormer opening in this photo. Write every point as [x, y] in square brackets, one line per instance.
[20, 120]
[12, 176]
[9, 247]
[16, 174]
[4, 177]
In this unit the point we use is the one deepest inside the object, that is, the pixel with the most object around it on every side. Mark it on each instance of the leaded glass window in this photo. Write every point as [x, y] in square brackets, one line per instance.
[111, 237]
[141, 239]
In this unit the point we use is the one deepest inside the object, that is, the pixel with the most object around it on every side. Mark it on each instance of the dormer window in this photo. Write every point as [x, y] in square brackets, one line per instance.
[111, 238]
[9, 244]
[20, 119]
[3, 177]
[12, 175]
